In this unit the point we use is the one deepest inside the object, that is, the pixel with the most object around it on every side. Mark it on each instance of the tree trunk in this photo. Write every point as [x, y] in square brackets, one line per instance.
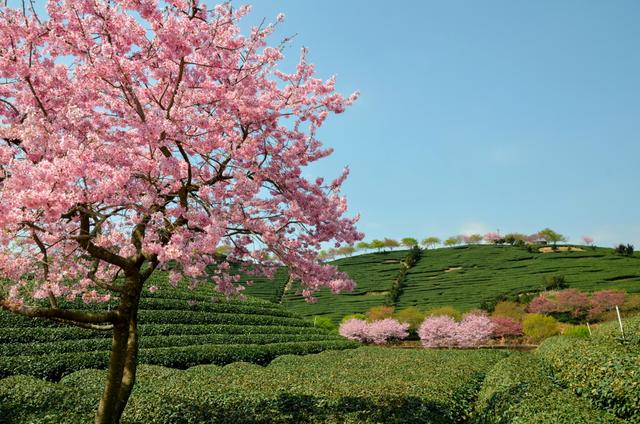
[122, 363]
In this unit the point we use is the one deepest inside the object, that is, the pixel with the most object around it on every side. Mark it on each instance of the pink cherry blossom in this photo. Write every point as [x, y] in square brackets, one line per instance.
[377, 332]
[138, 135]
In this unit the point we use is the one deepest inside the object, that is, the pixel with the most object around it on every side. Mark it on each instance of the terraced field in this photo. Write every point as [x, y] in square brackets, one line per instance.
[373, 274]
[466, 276]
[175, 332]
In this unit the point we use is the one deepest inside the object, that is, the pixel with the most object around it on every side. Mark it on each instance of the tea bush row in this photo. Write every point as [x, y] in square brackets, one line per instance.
[521, 389]
[364, 385]
[88, 345]
[604, 368]
[55, 366]
[176, 316]
[40, 334]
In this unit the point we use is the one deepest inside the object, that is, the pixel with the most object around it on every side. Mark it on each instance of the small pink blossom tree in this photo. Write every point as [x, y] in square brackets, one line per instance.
[493, 238]
[386, 330]
[137, 134]
[444, 331]
[438, 331]
[473, 330]
[588, 240]
[377, 332]
[354, 329]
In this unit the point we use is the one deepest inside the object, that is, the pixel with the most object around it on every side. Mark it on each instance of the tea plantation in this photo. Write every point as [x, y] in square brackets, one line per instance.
[467, 276]
[567, 380]
[174, 332]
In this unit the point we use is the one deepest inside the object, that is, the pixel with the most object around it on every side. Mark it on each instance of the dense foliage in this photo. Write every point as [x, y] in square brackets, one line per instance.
[521, 389]
[603, 368]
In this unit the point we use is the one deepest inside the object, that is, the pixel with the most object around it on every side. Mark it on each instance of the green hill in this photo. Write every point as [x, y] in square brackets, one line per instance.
[467, 276]
[174, 332]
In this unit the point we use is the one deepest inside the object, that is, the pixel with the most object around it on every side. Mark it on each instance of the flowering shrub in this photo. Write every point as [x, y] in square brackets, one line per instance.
[438, 331]
[576, 303]
[354, 329]
[377, 332]
[605, 300]
[443, 331]
[473, 329]
[383, 331]
[505, 327]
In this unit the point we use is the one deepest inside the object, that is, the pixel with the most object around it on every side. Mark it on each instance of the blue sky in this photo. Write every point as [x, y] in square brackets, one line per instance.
[477, 116]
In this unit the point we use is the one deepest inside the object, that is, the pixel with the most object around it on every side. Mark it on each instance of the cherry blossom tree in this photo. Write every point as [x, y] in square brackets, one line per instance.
[588, 240]
[438, 331]
[444, 331]
[505, 327]
[493, 238]
[376, 332]
[137, 135]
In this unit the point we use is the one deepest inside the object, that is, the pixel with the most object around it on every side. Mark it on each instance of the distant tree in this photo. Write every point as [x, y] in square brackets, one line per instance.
[363, 245]
[391, 243]
[452, 241]
[513, 238]
[554, 282]
[625, 250]
[533, 238]
[494, 238]
[346, 250]
[322, 255]
[508, 308]
[449, 311]
[410, 315]
[588, 240]
[430, 242]
[551, 236]
[376, 313]
[377, 244]
[473, 239]
[409, 242]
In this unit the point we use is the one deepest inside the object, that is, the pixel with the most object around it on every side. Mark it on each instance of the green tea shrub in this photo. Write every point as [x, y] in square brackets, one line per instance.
[603, 369]
[579, 331]
[521, 389]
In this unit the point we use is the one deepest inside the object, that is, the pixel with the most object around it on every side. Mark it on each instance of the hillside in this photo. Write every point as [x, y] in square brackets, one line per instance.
[175, 332]
[467, 276]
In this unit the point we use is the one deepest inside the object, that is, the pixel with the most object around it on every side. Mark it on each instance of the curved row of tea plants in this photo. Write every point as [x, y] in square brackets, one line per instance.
[174, 332]
[364, 385]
